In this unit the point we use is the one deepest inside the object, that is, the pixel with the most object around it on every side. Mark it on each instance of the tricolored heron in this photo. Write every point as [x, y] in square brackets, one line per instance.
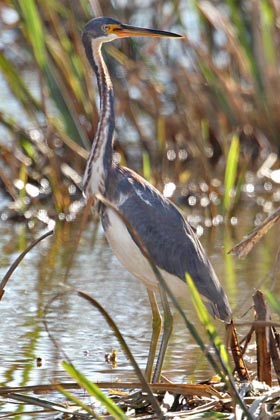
[166, 235]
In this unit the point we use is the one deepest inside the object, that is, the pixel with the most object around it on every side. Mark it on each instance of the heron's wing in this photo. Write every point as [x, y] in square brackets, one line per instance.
[170, 240]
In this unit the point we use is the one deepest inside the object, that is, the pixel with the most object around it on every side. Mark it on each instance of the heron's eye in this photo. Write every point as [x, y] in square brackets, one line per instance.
[105, 28]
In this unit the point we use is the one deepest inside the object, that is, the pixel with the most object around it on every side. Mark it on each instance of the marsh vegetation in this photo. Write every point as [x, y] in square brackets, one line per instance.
[199, 119]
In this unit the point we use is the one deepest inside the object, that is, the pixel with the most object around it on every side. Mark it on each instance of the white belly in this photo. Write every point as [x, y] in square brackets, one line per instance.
[131, 257]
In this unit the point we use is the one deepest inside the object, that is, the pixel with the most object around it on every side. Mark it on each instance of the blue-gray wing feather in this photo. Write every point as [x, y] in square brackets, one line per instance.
[169, 239]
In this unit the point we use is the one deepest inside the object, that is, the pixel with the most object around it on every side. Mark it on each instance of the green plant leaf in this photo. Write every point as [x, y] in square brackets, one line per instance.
[95, 391]
[17, 85]
[147, 171]
[267, 19]
[205, 320]
[274, 303]
[34, 29]
[230, 172]
[77, 402]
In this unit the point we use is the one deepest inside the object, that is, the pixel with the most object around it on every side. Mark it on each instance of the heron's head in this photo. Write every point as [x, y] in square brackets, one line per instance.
[107, 29]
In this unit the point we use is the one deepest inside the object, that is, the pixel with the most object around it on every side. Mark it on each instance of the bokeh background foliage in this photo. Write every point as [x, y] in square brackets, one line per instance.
[198, 117]
[200, 114]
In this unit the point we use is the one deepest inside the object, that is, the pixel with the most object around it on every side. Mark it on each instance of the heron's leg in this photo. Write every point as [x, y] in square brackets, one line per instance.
[167, 329]
[156, 330]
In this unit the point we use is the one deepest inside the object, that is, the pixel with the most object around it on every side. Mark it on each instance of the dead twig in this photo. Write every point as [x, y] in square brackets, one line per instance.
[243, 248]
[262, 334]
[237, 354]
[201, 390]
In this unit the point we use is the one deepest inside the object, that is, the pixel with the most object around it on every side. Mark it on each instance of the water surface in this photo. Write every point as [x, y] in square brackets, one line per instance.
[80, 330]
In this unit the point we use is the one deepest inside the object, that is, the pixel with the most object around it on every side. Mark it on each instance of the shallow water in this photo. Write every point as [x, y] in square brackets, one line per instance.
[80, 330]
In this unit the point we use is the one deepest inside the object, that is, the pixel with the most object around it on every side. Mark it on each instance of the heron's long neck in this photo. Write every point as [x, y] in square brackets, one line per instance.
[100, 158]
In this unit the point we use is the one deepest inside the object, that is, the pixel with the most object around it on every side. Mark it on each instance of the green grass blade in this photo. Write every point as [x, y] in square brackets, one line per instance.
[78, 402]
[34, 30]
[205, 320]
[238, 19]
[39, 39]
[218, 89]
[62, 99]
[147, 170]
[95, 391]
[274, 303]
[17, 84]
[267, 19]
[230, 173]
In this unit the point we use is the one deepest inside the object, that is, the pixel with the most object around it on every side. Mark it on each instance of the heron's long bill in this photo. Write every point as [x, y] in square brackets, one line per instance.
[128, 30]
